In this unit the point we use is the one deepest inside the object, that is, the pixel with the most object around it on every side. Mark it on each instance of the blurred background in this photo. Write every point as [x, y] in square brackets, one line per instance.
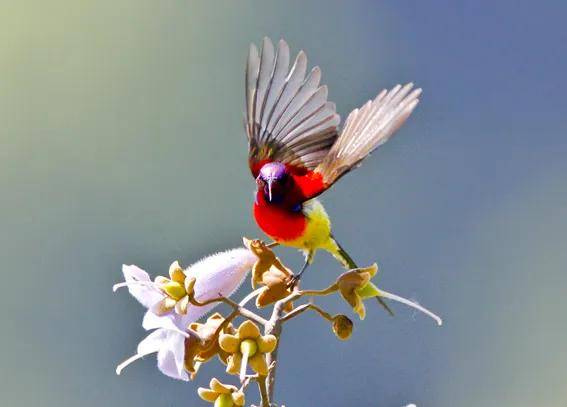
[122, 142]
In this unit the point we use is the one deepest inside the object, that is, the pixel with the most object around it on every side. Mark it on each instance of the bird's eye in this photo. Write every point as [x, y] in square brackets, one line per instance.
[259, 181]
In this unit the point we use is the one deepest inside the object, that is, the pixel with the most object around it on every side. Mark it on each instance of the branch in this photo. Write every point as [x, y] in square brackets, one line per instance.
[302, 308]
[265, 396]
[239, 308]
[274, 327]
[314, 293]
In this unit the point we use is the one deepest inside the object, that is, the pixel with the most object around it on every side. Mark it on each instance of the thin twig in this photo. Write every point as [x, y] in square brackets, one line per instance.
[245, 382]
[245, 312]
[250, 296]
[314, 293]
[302, 308]
[235, 306]
[236, 312]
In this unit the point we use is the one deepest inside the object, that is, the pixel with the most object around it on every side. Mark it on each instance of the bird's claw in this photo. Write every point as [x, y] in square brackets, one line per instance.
[293, 281]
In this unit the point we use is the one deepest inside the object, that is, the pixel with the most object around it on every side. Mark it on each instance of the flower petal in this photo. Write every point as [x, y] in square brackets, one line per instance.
[238, 398]
[219, 387]
[229, 343]
[267, 343]
[150, 344]
[207, 351]
[169, 321]
[359, 308]
[221, 273]
[258, 363]
[176, 344]
[368, 291]
[233, 364]
[352, 280]
[207, 395]
[134, 273]
[181, 305]
[176, 272]
[215, 318]
[372, 270]
[146, 294]
[273, 293]
[164, 306]
[248, 330]
[275, 276]
[190, 285]
[153, 342]
[160, 280]
[171, 357]
[258, 271]
[350, 296]
[264, 298]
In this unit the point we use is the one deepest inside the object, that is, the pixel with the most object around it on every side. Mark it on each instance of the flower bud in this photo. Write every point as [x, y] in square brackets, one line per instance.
[224, 400]
[342, 327]
[248, 347]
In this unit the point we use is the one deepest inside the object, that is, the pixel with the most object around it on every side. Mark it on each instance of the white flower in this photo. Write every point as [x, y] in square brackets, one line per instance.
[168, 313]
[170, 348]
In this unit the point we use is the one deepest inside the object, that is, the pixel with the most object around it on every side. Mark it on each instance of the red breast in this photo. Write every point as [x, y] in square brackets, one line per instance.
[277, 221]
[284, 220]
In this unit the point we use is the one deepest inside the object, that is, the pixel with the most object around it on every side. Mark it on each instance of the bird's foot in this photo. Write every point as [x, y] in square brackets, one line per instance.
[294, 281]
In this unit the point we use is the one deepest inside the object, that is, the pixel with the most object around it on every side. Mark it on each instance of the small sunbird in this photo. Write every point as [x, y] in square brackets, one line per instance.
[296, 151]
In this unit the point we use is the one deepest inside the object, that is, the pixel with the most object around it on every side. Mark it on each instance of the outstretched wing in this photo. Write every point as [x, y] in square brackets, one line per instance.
[288, 117]
[367, 128]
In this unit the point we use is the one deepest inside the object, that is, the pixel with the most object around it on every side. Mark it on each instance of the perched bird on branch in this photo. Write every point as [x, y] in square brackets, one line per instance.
[296, 151]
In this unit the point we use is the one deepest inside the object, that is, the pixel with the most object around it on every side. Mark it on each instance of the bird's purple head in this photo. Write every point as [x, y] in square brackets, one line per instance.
[274, 180]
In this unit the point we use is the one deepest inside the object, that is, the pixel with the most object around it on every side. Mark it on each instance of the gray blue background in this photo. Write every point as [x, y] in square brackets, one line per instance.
[122, 142]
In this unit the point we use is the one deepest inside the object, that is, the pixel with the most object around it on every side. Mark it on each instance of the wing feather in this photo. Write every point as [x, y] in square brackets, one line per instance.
[264, 78]
[252, 68]
[307, 90]
[281, 66]
[287, 113]
[311, 112]
[367, 128]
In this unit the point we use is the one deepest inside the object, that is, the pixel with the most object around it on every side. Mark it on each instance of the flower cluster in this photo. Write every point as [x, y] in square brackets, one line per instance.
[222, 395]
[269, 272]
[175, 305]
[219, 274]
[247, 345]
[202, 347]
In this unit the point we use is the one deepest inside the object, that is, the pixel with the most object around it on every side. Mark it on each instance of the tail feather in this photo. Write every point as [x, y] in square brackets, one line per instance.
[347, 261]
[344, 257]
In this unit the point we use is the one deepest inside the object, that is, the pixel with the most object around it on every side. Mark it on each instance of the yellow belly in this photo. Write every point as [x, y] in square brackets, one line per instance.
[317, 234]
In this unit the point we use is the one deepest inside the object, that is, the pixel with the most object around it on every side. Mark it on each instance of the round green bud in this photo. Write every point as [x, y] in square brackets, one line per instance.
[248, 347]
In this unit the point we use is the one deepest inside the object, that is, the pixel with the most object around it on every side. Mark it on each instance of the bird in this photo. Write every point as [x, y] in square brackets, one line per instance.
[296, 151]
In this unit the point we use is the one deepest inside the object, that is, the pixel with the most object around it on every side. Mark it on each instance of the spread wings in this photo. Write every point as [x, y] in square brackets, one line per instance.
[366, 129]
[288, 117]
